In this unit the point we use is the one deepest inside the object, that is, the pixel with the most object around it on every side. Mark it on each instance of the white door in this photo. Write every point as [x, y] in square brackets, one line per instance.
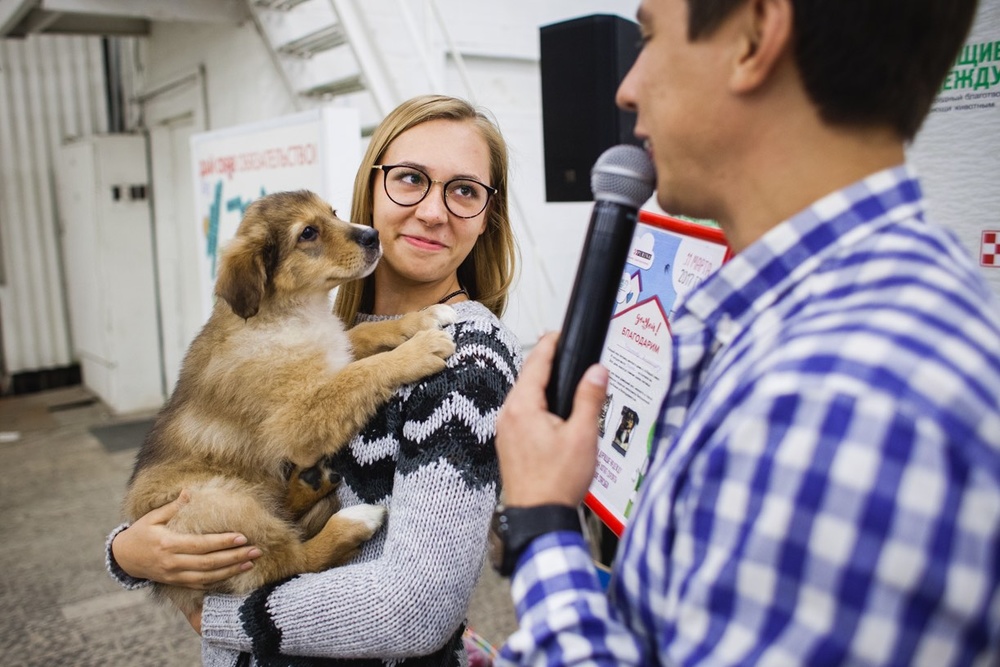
[172, 117]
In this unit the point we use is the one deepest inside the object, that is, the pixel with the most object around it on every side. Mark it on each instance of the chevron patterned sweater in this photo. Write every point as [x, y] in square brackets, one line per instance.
[429, 457]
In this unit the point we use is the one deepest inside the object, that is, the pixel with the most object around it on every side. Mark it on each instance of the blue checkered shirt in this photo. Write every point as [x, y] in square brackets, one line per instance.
[826, 483]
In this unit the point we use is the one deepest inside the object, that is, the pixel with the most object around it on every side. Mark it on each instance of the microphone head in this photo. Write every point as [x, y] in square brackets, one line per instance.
[623, 174]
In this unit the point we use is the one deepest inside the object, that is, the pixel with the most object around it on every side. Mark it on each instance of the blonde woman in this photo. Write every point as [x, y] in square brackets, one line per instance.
[433, 182]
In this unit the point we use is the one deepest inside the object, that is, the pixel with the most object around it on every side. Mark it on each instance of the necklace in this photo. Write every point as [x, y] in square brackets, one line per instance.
[453, 295]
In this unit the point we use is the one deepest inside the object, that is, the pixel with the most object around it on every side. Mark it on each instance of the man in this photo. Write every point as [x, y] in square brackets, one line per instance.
[825, 483]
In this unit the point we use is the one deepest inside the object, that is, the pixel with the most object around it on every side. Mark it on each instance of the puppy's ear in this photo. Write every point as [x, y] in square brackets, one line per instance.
[244, 271]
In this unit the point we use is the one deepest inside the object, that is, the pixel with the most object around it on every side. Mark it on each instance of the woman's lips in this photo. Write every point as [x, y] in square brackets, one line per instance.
[424, 244]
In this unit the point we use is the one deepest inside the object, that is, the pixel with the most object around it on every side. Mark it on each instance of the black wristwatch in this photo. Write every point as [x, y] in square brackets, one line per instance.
[515, 527]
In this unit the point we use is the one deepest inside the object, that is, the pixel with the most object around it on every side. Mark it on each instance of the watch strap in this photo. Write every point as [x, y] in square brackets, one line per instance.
[517, 527]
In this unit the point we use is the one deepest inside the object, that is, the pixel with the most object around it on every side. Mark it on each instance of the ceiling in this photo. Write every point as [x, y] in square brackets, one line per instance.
[20, 18]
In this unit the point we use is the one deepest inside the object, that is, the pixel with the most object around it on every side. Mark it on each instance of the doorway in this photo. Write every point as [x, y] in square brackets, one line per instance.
[173, 113]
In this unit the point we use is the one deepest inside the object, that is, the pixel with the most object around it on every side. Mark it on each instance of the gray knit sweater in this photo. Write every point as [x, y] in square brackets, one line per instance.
[429, 457]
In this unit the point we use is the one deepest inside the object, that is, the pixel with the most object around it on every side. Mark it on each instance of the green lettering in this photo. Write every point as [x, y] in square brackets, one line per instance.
[967, 56]
[982, 78]
[963, 78]
[986, 52]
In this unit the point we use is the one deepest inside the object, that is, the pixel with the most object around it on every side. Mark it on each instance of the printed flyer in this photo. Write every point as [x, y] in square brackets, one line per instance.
[668, 258]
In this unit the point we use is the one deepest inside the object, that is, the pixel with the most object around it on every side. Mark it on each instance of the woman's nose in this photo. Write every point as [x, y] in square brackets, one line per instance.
[432, 209]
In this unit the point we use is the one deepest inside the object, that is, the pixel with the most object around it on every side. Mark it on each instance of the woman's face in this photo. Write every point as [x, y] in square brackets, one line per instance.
[424, 244]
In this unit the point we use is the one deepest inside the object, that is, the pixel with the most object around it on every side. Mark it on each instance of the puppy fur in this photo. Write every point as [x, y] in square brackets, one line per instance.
[270, 387]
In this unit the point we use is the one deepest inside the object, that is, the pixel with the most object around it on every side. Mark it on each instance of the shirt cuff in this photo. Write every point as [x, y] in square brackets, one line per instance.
[554, 568]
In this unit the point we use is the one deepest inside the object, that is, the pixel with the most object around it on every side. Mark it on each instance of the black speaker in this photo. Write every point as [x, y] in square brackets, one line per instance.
[582, 62]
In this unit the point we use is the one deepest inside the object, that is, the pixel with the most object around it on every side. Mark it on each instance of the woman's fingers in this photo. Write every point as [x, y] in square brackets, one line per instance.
[202, 571]
[189, 543]
[165, 513]
[151, 549]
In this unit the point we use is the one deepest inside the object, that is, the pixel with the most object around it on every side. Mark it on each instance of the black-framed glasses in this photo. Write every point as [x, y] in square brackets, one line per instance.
[407, 186]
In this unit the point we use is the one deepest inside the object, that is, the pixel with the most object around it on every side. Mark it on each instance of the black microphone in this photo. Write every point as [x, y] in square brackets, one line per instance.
[622, 180]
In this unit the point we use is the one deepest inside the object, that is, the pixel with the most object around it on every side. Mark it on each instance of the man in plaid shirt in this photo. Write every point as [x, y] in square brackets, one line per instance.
[825, 485]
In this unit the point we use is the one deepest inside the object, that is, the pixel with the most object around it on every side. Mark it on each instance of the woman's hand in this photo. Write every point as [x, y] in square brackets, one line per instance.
[148, 549]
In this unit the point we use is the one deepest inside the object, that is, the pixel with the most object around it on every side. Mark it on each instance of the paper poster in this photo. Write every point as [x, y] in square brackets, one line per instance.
[317, 150]
[667, 259]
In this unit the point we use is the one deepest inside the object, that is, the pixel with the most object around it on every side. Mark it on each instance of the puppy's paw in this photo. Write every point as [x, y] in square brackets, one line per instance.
[321, 478]
[370, 516]
[306, 486]
[437, 342]
[438, 316]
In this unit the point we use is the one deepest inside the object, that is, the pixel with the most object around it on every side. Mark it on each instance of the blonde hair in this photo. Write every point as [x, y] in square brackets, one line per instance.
[488, 271]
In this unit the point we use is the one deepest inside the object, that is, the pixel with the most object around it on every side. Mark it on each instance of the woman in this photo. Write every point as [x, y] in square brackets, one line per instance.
[433, 182]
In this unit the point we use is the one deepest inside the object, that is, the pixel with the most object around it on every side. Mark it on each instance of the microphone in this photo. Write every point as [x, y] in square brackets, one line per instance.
[622, 180]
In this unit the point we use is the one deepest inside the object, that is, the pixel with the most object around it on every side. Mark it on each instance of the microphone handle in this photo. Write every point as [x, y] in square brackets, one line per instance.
[591, 302]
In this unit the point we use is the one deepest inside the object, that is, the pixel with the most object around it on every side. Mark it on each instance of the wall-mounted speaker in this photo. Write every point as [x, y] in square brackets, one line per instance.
[582, 62]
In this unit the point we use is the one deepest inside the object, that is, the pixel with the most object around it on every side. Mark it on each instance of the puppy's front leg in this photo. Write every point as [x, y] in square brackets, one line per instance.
[325, 413]
[370, 338]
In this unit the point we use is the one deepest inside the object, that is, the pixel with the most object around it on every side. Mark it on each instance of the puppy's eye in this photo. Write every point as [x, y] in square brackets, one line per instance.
[309, 234]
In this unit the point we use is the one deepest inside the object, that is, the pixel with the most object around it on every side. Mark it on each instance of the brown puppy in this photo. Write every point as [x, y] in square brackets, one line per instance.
[270, 386]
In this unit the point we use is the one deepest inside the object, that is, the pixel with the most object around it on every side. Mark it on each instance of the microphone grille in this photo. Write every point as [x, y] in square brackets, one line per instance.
[623, 174]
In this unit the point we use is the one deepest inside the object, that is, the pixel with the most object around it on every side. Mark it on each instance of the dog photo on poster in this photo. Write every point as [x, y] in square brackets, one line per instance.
[667, 259]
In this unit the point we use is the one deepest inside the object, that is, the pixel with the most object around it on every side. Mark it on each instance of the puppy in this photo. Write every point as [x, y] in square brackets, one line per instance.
[270, 387]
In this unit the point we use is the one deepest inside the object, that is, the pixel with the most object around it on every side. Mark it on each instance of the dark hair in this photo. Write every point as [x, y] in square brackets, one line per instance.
[866, 62]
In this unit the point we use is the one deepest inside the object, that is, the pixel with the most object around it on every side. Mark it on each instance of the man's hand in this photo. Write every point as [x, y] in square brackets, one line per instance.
[544, 459]
[149, 549]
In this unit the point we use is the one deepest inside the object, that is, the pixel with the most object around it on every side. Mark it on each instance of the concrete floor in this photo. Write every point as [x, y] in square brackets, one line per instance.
[60, 491]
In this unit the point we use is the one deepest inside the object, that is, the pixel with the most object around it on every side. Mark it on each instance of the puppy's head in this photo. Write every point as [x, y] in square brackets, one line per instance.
[292, 244]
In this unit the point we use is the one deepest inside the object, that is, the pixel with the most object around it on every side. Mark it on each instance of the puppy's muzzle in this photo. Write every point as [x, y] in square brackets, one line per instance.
[367, 238]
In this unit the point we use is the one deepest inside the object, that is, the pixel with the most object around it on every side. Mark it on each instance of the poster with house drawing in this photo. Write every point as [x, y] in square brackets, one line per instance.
[667, 259]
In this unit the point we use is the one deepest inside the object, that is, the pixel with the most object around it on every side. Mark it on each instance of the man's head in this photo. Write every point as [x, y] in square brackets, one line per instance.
[717, 79]
[865, 61]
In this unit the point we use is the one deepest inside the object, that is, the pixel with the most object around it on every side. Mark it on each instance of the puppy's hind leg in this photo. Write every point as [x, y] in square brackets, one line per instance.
[233, 505]
[342, 537]
[284, 555]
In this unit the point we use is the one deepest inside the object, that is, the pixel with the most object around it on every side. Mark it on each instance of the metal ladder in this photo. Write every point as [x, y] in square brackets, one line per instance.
[324, 53]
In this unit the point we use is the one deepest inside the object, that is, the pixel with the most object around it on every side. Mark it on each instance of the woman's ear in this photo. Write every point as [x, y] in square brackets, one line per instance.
[765, 36]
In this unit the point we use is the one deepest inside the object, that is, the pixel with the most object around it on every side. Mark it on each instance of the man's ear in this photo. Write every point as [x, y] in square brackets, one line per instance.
[766, 35]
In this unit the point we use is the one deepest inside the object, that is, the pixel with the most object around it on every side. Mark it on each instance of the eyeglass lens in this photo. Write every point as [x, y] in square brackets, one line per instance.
[407, 186]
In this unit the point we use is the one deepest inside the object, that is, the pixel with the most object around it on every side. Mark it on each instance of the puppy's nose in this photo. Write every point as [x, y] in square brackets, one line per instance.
[367, 237]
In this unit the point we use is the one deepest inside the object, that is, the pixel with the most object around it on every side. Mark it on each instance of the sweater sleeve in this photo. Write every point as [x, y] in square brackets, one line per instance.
[125, 580]
[411, 599]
